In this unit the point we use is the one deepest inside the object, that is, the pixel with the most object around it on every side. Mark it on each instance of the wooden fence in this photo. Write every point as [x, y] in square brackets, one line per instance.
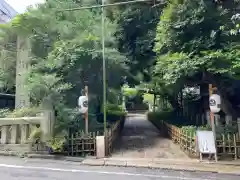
[228, 145]
[82, 144]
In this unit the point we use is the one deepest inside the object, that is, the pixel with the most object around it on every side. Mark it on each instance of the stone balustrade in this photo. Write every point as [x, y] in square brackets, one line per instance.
[15, 132]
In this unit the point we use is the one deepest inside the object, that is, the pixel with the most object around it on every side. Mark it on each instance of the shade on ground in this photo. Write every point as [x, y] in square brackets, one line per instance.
[140, 139]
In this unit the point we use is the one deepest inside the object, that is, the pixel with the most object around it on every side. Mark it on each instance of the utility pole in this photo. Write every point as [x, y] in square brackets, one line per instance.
[212, 116]
[104, 69]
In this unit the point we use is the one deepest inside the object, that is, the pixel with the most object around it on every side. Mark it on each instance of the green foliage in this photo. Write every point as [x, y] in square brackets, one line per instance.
[148, 98]
[114, 109]
[66, 55]
[7, 58]
[57, 144]
[21, 112]
[4, 112]
[35, 135]
[130, 92]
[160, 116]
[135, 36]
[194, 45]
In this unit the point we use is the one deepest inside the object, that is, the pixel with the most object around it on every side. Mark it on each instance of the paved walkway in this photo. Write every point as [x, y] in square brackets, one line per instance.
[140, 139]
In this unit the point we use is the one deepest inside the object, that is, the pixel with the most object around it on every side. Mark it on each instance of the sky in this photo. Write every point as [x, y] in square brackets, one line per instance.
[21, 5]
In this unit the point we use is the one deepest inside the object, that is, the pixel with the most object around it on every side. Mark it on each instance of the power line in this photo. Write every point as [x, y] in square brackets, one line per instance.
[111, 4]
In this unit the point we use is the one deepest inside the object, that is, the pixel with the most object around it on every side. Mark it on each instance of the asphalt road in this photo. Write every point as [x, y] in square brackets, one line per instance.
[33, 169]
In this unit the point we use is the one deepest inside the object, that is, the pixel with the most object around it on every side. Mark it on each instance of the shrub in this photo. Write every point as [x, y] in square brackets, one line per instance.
[160, 115]
[23, 112]
[130, 92]
[114, 113]
[157, 117]
[35, 135]
[4, 112]
[57, 144]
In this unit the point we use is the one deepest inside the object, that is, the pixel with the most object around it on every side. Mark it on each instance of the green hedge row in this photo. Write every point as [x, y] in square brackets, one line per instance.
[169, 117]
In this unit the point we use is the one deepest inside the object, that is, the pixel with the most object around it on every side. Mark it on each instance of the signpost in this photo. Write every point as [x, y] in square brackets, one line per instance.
[206, 140]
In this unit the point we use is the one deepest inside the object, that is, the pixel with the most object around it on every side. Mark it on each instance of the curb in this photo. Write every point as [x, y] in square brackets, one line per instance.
[43, 156]
[189, 166]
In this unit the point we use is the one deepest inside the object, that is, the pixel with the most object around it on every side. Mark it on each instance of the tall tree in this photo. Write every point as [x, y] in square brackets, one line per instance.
[135, 35]
[190, 44]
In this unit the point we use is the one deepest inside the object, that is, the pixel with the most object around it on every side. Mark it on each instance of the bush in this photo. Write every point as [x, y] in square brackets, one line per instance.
[156, 117]
[21, 112]
[130, 92]
[161, 115]
[114, 113]
[4, 112]
[169, 117]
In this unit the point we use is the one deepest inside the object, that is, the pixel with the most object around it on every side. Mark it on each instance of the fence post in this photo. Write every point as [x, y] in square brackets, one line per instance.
[238, 124]
[208, 117]
[203, 118]
[228, 119]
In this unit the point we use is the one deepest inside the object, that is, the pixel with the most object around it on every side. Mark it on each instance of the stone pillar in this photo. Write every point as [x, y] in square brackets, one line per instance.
[4, 134]
[100, 146]
[22, 69]
[47, 123]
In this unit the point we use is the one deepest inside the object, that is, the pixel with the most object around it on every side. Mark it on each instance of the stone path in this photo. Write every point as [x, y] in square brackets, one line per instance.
[140, 139]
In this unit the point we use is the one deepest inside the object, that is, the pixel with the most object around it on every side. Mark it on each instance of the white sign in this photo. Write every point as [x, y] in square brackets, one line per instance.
[215, 103]
[83, 104]
[206, 142]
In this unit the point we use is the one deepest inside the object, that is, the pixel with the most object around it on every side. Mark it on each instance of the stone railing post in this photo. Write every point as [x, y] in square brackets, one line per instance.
[4, 134]
[24, 132]
[13, 134]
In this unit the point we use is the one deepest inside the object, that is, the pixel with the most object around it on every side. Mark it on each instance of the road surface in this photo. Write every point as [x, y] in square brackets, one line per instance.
[141, 139]
[33, 169]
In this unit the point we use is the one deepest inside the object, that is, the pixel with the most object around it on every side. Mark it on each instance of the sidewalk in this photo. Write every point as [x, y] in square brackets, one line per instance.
[173, 164]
